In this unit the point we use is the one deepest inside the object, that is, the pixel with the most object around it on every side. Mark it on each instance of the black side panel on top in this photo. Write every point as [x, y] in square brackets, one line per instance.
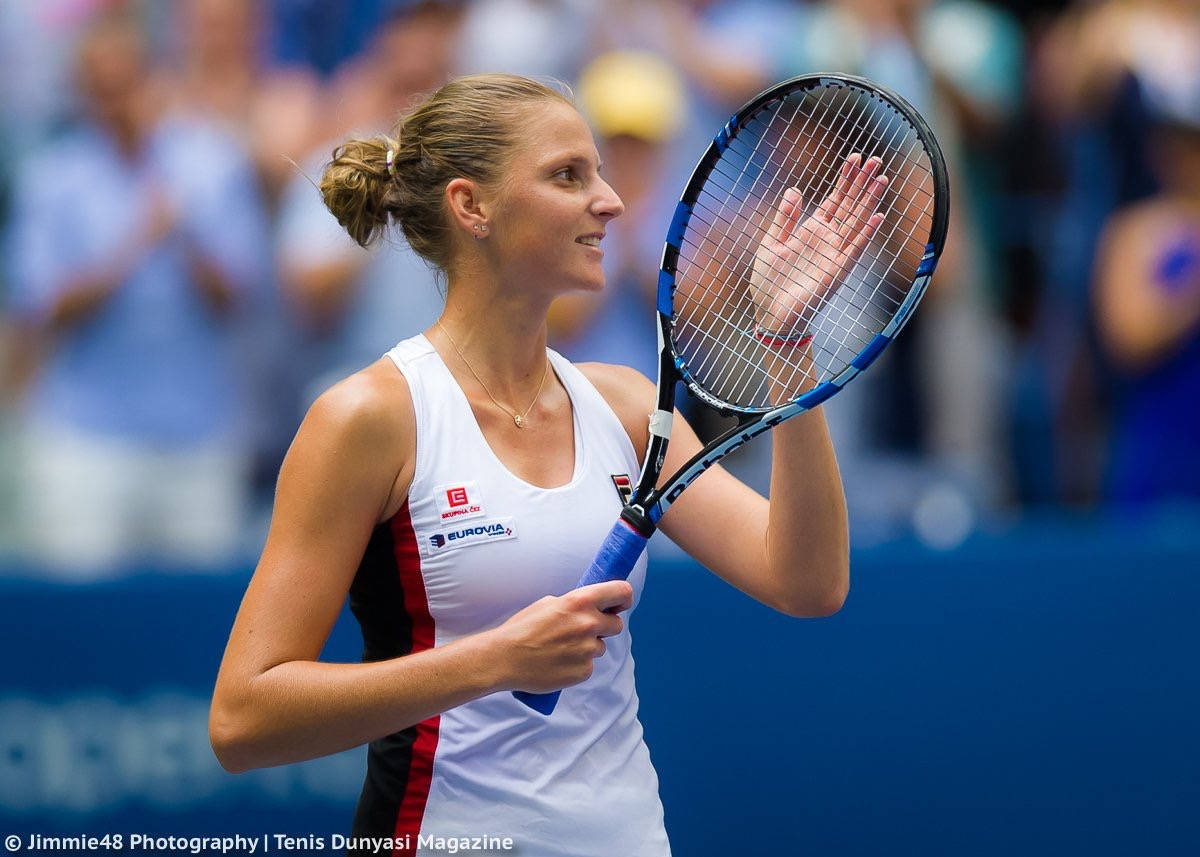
[377, 601]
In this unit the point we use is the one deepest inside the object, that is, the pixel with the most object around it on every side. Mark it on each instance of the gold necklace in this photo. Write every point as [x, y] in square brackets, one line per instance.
[519, 419]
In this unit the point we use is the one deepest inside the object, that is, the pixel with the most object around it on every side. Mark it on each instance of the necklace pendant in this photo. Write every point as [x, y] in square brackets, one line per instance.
[517, 419]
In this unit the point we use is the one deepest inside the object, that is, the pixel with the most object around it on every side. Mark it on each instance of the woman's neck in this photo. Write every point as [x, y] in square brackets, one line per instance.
[499, 333]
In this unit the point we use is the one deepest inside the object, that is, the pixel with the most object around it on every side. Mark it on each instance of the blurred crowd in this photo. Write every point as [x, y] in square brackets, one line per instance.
[173, 294]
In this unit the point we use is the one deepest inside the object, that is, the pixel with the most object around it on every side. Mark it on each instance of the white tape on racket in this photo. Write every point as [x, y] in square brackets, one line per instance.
[660, 424]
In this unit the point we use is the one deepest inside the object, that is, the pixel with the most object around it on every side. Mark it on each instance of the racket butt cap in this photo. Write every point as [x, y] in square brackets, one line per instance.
[638, 521]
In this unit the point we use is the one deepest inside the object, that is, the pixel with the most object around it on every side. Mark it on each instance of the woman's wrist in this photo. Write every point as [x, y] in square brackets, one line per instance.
[492, 667]
[793, 337]
[782, 339]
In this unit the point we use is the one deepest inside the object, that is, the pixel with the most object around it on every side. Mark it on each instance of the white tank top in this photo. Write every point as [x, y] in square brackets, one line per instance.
[473, 545]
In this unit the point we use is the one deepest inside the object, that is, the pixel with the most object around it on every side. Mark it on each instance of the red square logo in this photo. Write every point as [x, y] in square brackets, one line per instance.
[457, 496]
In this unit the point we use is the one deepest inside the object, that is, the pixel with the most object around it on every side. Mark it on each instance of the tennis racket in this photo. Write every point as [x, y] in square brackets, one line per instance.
[801, 245]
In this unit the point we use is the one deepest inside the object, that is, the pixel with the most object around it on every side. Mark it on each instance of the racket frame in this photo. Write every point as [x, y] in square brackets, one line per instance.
[649, 502]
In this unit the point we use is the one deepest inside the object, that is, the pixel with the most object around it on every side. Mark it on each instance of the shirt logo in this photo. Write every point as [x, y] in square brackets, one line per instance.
[493, 530]
[624, 486]
[457, 500]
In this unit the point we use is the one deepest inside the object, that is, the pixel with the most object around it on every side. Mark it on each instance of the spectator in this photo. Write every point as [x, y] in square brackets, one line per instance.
[274, 111]
[1147, 301]
[136, 238]
[1098, 70]
[543, 38]
[222, 76]
[36, 41]
[354, 303]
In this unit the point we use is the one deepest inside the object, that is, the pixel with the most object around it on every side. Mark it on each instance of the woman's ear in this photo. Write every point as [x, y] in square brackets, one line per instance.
[468, 209]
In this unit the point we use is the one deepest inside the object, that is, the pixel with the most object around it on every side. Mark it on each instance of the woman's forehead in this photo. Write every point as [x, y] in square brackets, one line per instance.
[555, 129]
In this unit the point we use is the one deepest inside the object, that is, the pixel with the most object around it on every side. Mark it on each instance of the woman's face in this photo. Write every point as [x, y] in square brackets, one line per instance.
[552, 206]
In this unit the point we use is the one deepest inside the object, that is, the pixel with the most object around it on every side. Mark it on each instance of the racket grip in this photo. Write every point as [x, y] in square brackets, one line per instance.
[617, 556]
[614, 561]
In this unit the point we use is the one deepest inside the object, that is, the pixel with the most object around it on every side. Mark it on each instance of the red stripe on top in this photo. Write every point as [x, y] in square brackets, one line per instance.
[420, 771]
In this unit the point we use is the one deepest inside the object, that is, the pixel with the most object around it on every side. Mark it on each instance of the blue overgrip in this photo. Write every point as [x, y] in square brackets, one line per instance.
[614, 561]
[617, 556]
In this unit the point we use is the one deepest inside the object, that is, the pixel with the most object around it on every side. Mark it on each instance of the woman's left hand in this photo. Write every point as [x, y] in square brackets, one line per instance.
[799, 264]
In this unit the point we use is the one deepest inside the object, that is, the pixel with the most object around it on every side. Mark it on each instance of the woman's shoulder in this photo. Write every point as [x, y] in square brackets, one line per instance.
[629, 393]
[366, 418]
[373, 399]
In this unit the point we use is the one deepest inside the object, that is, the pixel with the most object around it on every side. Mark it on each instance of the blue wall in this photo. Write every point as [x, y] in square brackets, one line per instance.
[1034, 692]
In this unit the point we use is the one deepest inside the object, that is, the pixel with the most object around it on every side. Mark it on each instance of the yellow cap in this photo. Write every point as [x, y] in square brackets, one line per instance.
[634, 93]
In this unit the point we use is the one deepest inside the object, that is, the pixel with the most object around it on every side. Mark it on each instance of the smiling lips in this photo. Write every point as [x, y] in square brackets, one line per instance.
[592, 240]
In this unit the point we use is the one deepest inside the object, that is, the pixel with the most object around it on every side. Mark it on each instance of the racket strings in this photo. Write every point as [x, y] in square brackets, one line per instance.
[731, 232]
[792, 181]
[788, 146]
[856, 332]
[791, 178]
[825, 169]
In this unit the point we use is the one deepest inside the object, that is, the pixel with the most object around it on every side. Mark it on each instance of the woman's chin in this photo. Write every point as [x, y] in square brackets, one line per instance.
[591, 285]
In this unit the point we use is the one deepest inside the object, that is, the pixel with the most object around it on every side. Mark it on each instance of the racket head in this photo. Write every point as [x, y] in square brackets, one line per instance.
[798, 135]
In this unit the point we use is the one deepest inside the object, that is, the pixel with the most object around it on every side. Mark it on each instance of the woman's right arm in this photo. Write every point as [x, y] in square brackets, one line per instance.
[274, 703]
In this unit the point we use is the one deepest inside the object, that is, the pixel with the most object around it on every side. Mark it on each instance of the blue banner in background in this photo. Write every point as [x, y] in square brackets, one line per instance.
[1033, 692]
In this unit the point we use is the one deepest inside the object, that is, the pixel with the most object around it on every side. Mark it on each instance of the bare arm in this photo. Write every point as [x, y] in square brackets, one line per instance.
[83, 295]
[1139, 318]
[211, 282]
[322, 292]
[274, 703]
[790, 553]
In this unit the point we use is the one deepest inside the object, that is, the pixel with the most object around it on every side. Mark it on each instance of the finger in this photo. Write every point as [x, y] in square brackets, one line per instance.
[870, 199]
[863, 236]
[829, 206]
[609, 594]
[845, 222]
[866, 205]
[786, 215]
[854, 193]
[610, 626]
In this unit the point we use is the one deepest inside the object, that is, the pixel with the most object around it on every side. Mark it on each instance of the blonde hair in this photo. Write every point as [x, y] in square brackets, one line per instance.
[466, 129]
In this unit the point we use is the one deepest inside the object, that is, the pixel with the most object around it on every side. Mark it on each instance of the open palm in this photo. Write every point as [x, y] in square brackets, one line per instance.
[800, 263]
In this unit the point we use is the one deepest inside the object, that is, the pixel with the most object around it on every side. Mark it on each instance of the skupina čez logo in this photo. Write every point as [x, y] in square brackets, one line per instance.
[458, 501]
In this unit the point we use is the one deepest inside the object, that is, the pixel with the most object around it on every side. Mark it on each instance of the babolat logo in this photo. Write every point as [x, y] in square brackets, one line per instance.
[496, 529]
[724, 449]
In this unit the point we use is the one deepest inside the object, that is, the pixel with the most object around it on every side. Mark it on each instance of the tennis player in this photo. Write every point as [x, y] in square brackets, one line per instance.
[453, 487]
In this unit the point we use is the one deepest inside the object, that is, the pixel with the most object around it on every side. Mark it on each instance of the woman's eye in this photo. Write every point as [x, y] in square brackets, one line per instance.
[566, 173]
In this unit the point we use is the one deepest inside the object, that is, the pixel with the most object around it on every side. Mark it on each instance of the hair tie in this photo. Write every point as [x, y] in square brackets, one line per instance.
[391, 162]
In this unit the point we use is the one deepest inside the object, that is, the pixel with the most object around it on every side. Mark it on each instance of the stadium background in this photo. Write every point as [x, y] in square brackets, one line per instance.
[1014, 669]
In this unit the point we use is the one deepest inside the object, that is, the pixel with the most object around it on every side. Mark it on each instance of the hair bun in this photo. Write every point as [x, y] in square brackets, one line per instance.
[358, 188]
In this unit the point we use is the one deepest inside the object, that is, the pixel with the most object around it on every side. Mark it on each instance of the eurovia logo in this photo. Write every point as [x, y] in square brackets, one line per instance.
[497, 529]
[624, 486]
